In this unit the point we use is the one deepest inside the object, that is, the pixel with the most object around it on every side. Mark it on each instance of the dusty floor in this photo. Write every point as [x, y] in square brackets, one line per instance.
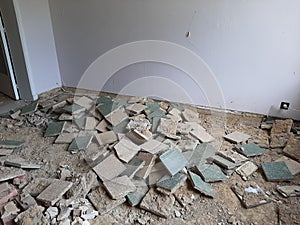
[224, 209]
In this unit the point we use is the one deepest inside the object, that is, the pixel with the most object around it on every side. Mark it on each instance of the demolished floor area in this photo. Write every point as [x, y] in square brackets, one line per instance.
[80, 157]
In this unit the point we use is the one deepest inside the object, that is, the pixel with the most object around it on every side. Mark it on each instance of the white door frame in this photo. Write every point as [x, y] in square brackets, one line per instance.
[8, 60]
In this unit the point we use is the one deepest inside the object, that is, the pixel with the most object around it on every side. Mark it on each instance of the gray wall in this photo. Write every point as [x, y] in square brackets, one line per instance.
[38, 44]
[252, 48]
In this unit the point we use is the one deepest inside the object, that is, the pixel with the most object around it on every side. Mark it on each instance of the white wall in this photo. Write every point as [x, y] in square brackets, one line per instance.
[252, 47]
[38, 44]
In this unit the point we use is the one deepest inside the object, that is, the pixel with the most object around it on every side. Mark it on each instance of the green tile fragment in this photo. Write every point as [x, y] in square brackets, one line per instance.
[80, 122]
[172, 183]
[103, 100]
[11, 144]
[134, 198]
[105, 108]
[80, 143]
[202, 152]
[201, 186]
[73, 109]
[211, 173]
[276, 171]
[54, 129]
[250, 150]
[31, 108]
[155, 123]
[152, 106]
[173, 160]
[225, 163]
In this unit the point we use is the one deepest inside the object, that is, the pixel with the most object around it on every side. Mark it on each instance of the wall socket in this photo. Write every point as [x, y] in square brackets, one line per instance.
[284, 105]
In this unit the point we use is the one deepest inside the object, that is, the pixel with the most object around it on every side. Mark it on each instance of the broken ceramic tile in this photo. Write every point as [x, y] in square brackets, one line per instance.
[73, 109]
[202, 135]
[54, 192]
[292, 149]
[109, 168]
[294, 166]
[232, 156]
[133, 166]
[134, 198]
[65, 117]
[289, 190]
[149, 162]
[187, 145]
[173, 160]
[224, 162]
[65, 138]
[116, 117]
[155, 124]
[190, 115]
[126, 149]
[54, 129]
[158, 204]
[80, 143]
[250, 150]
[168, 128]
[102, 125]
[139, 137]
[106, 138]
[282, 126]
[103, 100]
[119, 187]
[11, 144]
[154, 147]
[136, 99]
[8, 173]
[250, 194]
[237, 137]
[102, 202]
[247, 169]
[84, 102]
[139, 122]
[201, 186]
[15, 115]
[171, 184]
[210, 173]
[20, 162]
[279, 140]
[276, 171]
[37, 185]
[136, 108]
[158, 171]
[90, 123]
[26, 200]
[31, 108]
[201, 153]
[120, 128]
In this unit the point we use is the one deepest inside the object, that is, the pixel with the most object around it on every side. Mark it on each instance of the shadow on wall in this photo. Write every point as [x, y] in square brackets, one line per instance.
[153, 79]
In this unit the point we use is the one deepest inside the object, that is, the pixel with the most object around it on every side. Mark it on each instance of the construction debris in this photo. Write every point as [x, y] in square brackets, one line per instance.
[141, 151]
[250, 194]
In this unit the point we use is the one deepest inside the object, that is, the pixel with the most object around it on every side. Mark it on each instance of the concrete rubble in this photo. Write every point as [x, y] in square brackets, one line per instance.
[155, 156]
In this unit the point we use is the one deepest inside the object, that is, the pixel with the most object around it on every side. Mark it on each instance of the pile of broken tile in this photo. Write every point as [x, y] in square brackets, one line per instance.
[140, 152]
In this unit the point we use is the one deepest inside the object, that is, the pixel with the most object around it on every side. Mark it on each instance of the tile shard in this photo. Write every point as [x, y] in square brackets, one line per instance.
[54, 129]
[247, 169]
[106, 138]
[201, 186]
[171, 184]
[211, 173]
[289, 190]
[102, 202]
[154, 147]
[8, 173]
[276, 171]
[250, 150]
[149, 159]
[173, 160]
[109, 168]
[134, 198]
[250, 194]
[119, 187]
[126, 149]
[11, 144]
[157, 203]
[294, 166]
[80, 143]
[31, 108]
[54, 192]
[237, 137]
